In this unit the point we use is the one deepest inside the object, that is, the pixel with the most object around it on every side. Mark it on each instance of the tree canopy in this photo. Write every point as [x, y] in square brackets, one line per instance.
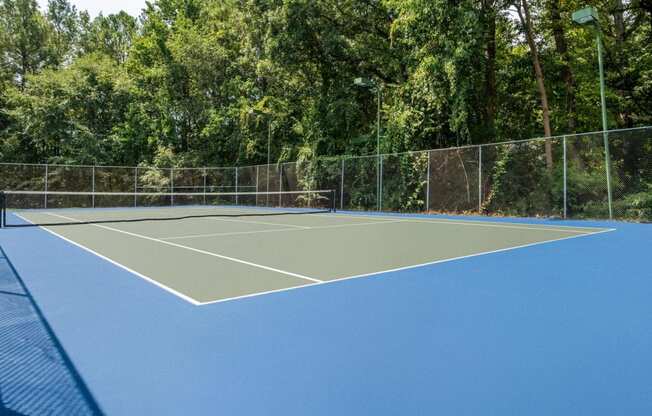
[203, 82]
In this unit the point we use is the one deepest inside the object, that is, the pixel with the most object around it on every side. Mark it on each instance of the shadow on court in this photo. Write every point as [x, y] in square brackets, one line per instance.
[36, 375]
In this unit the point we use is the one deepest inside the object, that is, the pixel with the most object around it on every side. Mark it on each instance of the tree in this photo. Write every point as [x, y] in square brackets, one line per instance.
[523, 10]
[25, 38]
[64, 22]
[111, 35]
[72, 115]
[561, 46]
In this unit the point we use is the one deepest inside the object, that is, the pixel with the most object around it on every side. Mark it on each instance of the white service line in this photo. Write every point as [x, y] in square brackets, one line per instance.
[182, 237]
[437, 221]
[318, 227]
[196, 250]
[257, 222]
[414, 266]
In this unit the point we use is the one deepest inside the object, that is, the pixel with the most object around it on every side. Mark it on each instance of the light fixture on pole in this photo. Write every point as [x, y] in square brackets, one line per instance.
[588, 16]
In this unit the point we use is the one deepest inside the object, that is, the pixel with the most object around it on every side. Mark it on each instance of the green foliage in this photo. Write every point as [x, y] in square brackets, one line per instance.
[23, 36]
[636, 207]
[207, 83]
[521, 182]
[404, 182]
[198, 69]
[72, 115]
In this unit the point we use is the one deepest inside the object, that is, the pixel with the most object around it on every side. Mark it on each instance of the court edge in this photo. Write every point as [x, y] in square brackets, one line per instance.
[195, 302]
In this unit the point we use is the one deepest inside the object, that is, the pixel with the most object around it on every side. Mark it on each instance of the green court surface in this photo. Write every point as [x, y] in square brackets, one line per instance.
[212, 259]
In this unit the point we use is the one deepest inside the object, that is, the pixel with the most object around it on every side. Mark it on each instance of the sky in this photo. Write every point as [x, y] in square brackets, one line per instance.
[94, 7]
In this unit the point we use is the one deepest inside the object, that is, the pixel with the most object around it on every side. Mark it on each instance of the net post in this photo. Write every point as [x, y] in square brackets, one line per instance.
[3, 216]
[428, 185]
[342, 188]
[565, 167]
[480, 179]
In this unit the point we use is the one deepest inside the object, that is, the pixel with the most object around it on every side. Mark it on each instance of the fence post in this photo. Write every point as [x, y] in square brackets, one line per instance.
[136, 186]
[257, 168]
[280, 184]
[204, 183]
[236, 186]
[267, 188]
[45, 195]
[565, 181]
[607, 167]
[428, 185]
[171, 186]
[342, 187]
[380, 183]
[93, 186]
[480, 179]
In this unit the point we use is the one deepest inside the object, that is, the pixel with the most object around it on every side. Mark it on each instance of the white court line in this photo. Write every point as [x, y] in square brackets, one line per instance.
[543, 227]
[318, 227]
[122, 266]
[182, 237]
[257, 222]
[196, 250]
[414, 266]
[316, 281]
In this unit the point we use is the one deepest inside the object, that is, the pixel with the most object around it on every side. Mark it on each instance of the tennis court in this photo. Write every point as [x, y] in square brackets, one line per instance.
[195, 303]
[213, 253]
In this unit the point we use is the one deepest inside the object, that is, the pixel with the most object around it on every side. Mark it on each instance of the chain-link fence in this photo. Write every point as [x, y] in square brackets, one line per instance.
[563, 176]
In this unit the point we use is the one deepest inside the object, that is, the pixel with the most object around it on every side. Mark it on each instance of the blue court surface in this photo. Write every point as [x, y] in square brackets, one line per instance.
[562, 326]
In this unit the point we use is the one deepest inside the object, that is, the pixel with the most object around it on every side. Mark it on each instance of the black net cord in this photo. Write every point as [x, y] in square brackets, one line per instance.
[325, 198]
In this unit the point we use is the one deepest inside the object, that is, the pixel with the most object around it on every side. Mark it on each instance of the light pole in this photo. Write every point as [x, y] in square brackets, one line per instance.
[377, 87]
[588, 16]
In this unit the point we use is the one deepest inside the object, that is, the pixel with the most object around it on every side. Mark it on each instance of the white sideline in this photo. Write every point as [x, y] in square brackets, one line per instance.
[542, 227]
[122, 266]
[196, 250]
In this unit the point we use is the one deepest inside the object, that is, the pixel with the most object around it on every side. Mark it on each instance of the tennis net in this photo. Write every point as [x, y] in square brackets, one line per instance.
[41, 208]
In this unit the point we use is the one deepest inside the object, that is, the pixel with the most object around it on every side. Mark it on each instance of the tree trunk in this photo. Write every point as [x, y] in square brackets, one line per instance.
[561, 45]
[489, 17]
[524, 14]
[566, 72]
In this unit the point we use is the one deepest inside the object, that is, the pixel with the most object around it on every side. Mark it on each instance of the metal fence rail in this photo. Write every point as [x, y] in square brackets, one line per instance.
[562, 176]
